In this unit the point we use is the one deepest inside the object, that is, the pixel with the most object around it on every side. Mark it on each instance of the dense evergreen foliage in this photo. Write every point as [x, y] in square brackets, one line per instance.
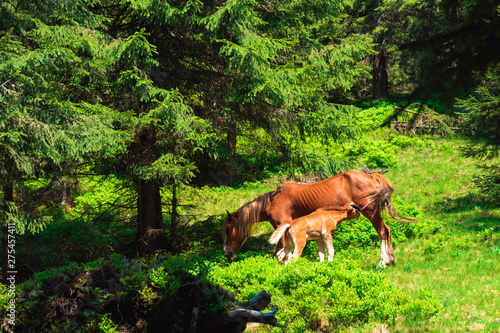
[116, 115]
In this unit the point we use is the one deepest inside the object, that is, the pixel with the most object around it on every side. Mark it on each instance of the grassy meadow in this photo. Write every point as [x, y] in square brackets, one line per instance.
[461, 262]
[445, 280]
[456, 257]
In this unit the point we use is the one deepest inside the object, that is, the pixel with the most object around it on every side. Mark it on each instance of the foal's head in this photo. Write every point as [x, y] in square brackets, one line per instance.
[352, 213]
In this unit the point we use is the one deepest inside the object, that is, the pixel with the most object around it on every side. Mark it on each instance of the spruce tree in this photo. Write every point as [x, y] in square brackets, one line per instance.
[481, 120]
[52, 80]
[220, 68]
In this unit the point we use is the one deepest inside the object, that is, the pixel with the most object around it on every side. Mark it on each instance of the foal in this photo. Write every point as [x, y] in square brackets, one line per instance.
[318, 225]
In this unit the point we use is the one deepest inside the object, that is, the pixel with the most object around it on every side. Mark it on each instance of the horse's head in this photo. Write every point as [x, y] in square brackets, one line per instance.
[232, 235]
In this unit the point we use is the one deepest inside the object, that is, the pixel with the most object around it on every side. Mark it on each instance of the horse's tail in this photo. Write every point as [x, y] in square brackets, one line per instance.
[278, 233]
[382, 197]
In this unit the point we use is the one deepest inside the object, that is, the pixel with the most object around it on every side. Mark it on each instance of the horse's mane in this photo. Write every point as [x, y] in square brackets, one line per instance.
[250, 213]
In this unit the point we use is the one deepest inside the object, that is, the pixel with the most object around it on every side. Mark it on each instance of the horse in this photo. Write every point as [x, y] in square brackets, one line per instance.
[318, 226]
[371, 193]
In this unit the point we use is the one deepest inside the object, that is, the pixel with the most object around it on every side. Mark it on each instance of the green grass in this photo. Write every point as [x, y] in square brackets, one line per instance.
[446, 278]
[457, 260]
[461, 262]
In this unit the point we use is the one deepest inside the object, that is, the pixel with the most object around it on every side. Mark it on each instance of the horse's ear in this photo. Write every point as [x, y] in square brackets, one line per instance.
[229, 216]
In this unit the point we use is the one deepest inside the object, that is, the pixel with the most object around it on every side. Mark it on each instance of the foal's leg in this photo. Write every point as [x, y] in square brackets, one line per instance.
[321, 249]
[329, 246]
[300, 243]
[289, 247]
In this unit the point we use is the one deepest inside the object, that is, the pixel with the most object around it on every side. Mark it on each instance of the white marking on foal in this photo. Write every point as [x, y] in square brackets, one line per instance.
[321, 250]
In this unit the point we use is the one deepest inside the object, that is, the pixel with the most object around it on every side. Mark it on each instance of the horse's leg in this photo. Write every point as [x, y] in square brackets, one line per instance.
[278, 216]
[361, 187]
[280, 252]
[321, 249]
[280, 255]
[287, 257]
[387, 256]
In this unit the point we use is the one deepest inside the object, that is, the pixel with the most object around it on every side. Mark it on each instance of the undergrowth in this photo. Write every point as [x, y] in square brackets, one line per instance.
[329, 297]
[445, 279]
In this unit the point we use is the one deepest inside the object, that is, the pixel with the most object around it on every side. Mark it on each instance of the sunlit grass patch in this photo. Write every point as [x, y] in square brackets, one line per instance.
[459, 262]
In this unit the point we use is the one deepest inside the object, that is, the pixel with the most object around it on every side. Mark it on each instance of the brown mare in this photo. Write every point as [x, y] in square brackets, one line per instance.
[318, 226]
[371, 193]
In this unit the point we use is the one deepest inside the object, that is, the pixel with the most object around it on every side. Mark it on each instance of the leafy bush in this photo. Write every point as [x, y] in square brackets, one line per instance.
[373, 117]
[331, 296]
[403, 141]
[360, 233]
[119, 295]
[374, 153]
[95, 193]
[405, 231]
[4, 298]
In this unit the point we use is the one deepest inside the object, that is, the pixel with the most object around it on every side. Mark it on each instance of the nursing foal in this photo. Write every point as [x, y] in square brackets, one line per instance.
[318, 226]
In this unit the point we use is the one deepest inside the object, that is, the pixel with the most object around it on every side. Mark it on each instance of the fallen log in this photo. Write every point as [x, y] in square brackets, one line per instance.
[405, 124]
[235, 321]
[259, 301]
[244, 316]
[368, 171]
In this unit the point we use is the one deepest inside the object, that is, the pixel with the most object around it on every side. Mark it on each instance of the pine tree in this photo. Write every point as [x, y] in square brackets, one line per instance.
[481, 121]
[464, 57]
[281, 61]
[222, 67]
[52, 79]
[395, 24]
[456, 54]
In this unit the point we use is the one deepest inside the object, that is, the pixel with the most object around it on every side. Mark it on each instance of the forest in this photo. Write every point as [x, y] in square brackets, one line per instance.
[131, 129]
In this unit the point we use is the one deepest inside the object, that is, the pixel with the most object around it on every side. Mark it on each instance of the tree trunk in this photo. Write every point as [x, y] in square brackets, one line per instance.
[149, 214]
[453, 18]
[232, 140]
[150, 233]
[173, 222]
[380, 78]
[8, 196]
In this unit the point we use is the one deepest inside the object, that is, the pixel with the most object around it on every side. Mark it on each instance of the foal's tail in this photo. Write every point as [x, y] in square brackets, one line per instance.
[278, 233]
[382, 196]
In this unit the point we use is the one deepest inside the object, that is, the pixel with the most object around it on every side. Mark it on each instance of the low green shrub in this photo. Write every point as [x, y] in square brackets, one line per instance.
[119, 294]
[102, 324]
[403, 141]
[4, 297]
[95, 193]
[357, 233]
[329, 295]
[361, 234]
[373, 117]
[374, 153]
